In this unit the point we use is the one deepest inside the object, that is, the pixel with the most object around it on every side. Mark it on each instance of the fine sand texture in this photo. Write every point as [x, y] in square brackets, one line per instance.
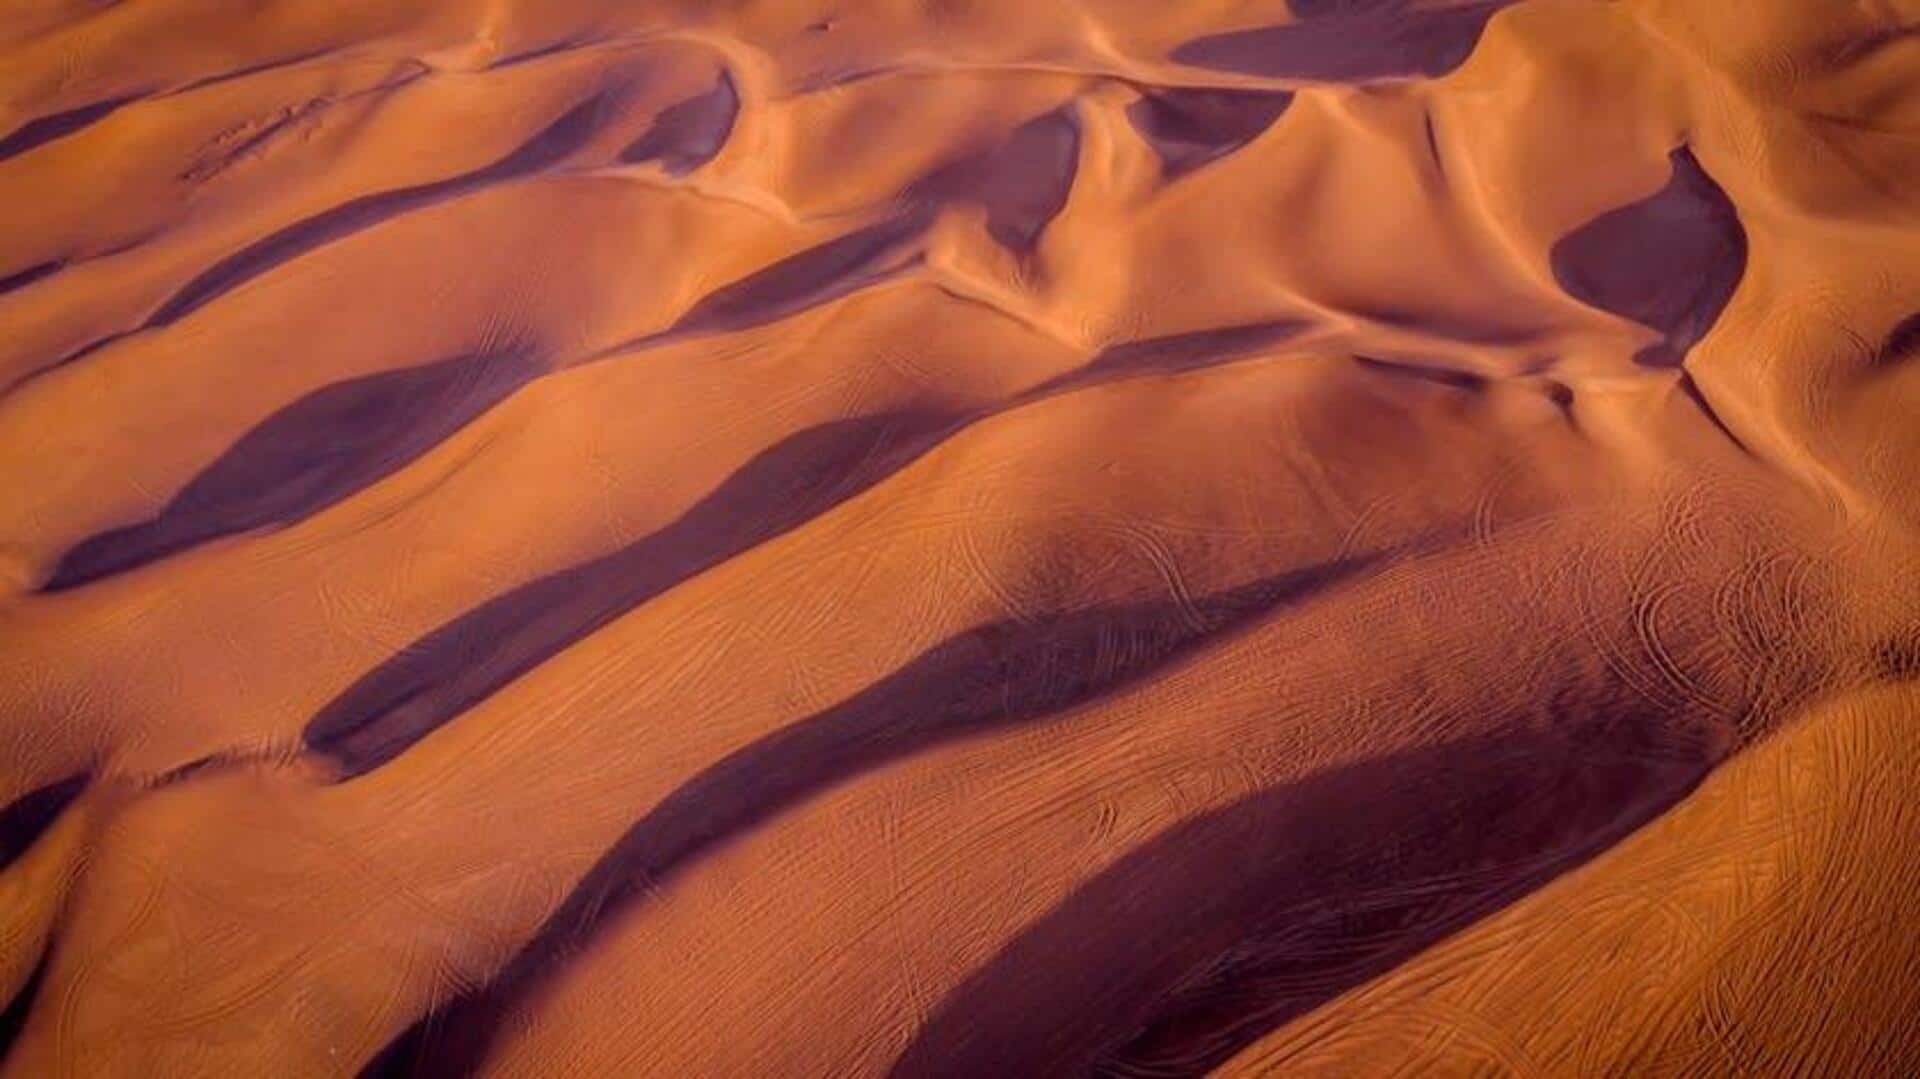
[973, 538]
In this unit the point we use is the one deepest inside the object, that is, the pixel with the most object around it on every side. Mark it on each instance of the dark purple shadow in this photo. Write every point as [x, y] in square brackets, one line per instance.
[1022, 183]
[441, 675]
[1349, 42]
[797, 282]
[308, 456]
[36, 133]
[1670, 261]
[1189, 128]
[1174, 353]
[29, 816]
[1195, 945]
[553, 144]
[686, 136]
[28, 276]
[992, 676]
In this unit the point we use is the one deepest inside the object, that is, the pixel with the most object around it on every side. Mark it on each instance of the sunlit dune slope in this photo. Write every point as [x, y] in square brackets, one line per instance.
[959, 537]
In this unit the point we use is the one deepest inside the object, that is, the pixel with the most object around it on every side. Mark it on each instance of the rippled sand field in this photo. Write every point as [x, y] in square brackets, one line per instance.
[959, 537]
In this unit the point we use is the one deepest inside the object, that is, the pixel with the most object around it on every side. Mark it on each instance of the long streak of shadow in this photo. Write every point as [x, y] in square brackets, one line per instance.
[1022, 183]
[15, 281]
[22, 823]
[1177, 352]
[995, 675]
[1349, 41]
[37, 133]
[444, 673]
[307, 456]
[13, 1019]
[24, 820]
[338, 439]
[1194, 945]
[434, 679]
[1254, 913]
[811, 277]
[682, 138]
[555, 142]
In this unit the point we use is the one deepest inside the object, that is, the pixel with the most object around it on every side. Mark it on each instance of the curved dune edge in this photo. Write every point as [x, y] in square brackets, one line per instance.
[958, 539]
[1789, 859]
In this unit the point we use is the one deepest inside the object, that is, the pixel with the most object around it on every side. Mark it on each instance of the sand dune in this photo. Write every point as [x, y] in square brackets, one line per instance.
[920, 537]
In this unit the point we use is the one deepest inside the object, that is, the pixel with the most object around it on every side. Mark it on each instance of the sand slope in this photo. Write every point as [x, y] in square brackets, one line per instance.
[959, 538]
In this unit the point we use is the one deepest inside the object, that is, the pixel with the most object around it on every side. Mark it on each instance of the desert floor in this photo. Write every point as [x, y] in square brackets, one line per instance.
[959, 537]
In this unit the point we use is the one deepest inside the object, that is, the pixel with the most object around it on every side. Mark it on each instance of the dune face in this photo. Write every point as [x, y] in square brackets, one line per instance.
[1351, 537]
[1670, 261]
[1189, 128]
[305, 457]
[1343, 40]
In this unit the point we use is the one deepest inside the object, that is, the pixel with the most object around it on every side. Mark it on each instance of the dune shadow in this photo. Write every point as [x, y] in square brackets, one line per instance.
[1022, 183]
[308, 456]
[1450, 377]
[1349, 41]
[992, 676]
[1173, 354]
[13, 1018]
[820, 273]
[15, 281]
[37, 133]
[1188, 128]
[1189, 948]
[1670, 261]
[557, 141]
[434, 679]
[24, 820]
[1902, 342]
[22, 823]
[687, 135]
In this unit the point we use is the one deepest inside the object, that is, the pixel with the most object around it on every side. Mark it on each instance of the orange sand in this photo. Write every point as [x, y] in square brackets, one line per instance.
[959, 537]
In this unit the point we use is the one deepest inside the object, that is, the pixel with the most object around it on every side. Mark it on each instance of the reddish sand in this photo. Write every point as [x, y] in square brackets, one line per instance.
[960, 537]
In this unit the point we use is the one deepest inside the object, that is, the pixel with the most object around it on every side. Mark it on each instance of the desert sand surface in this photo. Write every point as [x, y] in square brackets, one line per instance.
[959, 537]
